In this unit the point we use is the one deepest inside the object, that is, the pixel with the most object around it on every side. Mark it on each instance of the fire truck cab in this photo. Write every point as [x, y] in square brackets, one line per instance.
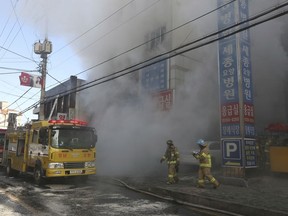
[54, 148]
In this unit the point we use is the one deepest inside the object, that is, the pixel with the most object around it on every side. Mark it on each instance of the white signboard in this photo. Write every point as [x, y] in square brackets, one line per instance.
[62, 116]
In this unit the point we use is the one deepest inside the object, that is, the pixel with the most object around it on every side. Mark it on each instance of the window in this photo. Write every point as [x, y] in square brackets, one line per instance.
[156, 37]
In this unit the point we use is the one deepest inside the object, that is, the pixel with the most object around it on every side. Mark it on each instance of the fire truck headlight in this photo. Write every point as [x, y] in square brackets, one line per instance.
[90, 164]
[55, 165]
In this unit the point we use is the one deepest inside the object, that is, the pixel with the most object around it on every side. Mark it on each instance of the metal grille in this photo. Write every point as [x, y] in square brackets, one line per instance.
[74, 165]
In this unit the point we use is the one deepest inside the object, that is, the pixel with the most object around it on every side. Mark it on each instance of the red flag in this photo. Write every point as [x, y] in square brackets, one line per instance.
[30, 80]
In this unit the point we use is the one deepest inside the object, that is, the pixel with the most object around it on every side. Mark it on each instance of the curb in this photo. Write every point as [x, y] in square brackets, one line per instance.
[215, 203]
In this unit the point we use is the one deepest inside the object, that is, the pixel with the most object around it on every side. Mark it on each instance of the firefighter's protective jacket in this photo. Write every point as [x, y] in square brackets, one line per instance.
[204, 158]
[171, 155]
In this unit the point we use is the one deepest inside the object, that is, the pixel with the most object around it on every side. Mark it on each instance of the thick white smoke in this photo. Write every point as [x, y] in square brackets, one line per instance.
[132, 133]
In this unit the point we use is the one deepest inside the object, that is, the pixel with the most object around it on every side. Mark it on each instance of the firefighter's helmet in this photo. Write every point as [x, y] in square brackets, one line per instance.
[201, 142]
[169, 142]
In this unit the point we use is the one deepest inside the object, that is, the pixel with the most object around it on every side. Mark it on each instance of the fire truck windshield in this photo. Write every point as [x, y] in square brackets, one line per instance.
[72, 138]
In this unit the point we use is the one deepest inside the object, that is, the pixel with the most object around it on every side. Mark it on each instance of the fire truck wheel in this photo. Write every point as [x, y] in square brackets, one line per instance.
[38, 175]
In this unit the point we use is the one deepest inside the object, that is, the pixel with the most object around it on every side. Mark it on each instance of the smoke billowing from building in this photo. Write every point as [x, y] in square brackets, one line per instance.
[132, 132]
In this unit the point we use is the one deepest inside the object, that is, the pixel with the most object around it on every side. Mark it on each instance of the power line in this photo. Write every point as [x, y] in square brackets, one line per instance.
[18, 69]
[7, 93]
[146, 42]
[20, 26]
[165, 33]
[102, 21]
[18, 98]
[55, 79]
[162, 56]
[179, 48]
[4, 27]
[18, 54]
[89, 45]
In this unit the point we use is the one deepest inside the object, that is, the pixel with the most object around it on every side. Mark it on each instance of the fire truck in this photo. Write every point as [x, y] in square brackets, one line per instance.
[2, 141]
[54, 148]
[273, 148]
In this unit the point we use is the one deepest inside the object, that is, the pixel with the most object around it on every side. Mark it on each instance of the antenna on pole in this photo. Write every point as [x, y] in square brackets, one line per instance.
[43, 49]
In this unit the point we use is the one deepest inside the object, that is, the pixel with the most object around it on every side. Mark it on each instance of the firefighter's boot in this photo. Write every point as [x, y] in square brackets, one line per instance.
[201, 183]
[215, 183]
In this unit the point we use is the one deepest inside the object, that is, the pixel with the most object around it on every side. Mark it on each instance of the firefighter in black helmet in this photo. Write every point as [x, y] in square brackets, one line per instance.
[173, 160]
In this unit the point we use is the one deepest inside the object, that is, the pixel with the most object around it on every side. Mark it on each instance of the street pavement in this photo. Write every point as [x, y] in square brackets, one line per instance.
[262, 194]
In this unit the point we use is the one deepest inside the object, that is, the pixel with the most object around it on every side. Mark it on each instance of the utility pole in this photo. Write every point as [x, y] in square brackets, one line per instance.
[43, 49]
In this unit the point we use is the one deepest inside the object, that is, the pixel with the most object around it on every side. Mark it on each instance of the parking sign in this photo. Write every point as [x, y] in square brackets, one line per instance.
[232, 152]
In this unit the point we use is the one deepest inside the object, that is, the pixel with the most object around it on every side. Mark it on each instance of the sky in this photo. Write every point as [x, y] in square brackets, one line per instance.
[88, 32]
[23, 23]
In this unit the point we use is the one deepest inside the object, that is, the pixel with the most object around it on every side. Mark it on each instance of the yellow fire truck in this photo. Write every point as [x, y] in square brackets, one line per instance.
[54, 148]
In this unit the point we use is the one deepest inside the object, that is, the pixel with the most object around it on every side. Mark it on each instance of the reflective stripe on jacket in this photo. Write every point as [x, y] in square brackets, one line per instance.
[204, 158]
[172, 155]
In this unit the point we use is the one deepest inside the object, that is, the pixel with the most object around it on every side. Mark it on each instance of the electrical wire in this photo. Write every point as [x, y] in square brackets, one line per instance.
[18, 98]
[20, 26]
[7, 93]
[61, 83]
[102, 21]
[6, 23]
[106, 34]
[19, 54]
[162, 56]
[181, 52]
[175, 54]
[19, 69]
[146, 42]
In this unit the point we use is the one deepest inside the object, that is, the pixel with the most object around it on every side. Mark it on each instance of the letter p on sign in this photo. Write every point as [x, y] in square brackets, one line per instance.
[230, 148]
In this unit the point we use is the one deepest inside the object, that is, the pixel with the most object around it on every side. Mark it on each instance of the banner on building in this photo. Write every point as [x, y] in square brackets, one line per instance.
[30, 80]
[164, 99]
[236, 87]
[155, 77]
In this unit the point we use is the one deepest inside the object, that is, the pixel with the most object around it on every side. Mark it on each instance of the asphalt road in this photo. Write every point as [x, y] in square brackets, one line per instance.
[100, 196]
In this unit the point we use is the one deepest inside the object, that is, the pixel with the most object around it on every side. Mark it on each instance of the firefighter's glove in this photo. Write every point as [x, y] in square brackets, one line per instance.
[162, 159]
[194, 153]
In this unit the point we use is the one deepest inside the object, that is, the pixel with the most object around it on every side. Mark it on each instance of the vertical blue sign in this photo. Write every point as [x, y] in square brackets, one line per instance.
[154, 77]
[245, 64]
[229, 89]
[236, 90]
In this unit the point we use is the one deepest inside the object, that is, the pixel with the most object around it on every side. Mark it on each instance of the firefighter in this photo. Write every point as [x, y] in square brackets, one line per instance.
[204, 158]
[172, 157]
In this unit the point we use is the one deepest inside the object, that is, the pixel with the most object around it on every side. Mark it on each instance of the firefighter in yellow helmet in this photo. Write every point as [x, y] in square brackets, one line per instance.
[204, 158]
[173, 160]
